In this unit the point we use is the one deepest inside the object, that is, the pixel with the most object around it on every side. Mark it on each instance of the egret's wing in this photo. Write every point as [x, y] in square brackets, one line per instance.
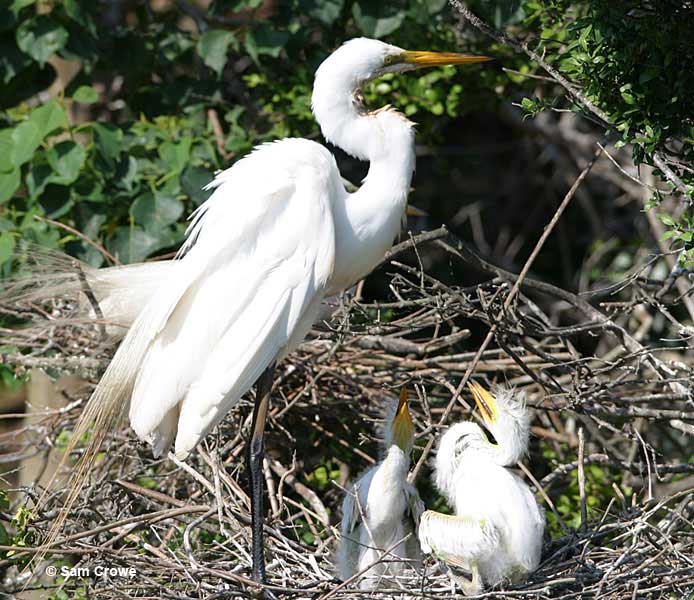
[456, 540]
[415, 506]
[122, 292]
[254, 275]
[348, 550]
[415, 509]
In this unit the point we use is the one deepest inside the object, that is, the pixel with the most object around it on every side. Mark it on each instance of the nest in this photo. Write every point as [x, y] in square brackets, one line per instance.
[610, 456]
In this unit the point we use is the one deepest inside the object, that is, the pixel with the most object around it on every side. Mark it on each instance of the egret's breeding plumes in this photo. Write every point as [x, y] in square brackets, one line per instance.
[497, 530]
[277, 235]
[381, 510]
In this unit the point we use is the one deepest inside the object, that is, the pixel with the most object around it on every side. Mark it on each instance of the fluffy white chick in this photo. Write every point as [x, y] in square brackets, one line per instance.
[381, 510]
[497, 530]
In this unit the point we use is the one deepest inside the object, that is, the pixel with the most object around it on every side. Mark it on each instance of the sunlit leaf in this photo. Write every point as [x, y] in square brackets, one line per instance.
[41, 38]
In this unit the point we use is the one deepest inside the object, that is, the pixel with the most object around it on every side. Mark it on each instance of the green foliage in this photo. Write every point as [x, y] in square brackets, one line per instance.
[631, 60]
[123, 152]
[23, 535]
[598, 492]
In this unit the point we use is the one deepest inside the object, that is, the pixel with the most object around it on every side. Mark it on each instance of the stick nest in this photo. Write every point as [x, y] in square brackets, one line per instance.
[619, 505]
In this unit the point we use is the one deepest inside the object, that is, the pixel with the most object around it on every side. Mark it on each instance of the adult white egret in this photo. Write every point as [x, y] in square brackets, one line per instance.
[381, 510]
[277, 235]
[497, 529]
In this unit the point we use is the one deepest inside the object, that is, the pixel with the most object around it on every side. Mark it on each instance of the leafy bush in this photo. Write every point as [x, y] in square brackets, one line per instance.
[121, 150]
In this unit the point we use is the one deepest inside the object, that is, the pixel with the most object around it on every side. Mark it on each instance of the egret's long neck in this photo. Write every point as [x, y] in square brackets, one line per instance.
[396, 463]
[367, 221]
[512, 442]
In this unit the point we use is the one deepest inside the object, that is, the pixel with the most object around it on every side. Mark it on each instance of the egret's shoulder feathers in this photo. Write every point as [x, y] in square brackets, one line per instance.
[263, 177]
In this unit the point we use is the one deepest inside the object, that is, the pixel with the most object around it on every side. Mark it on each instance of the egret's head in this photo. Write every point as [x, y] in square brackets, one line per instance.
[340, 77]
[364, 59]
[400, 430]
[460, 440]
[505, 414]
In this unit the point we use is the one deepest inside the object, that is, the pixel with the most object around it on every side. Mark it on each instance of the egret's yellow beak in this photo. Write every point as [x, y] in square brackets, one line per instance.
[485, 401]
[424, 58]
[403, 428]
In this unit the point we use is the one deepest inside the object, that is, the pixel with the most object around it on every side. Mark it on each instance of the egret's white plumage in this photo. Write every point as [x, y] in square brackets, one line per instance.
[278, 234]
[497, 530]
[380, 512]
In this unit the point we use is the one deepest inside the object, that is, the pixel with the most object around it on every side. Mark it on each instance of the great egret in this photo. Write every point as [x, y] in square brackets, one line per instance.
[497, 529]
[277, 235]
[381, 510]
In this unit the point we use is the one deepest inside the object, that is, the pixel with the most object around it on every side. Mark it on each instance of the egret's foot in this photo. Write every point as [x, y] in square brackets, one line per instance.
[467, 579]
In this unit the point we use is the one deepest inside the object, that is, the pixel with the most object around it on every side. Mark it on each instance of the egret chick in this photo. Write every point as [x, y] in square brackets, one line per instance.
[381, 510]
[497, 530]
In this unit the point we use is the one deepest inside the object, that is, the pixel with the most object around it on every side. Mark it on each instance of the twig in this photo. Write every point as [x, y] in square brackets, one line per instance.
[507, 303]
[112, 259]
[582, 478]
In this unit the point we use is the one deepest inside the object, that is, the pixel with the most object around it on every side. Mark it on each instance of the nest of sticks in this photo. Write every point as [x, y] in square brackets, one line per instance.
[610, 456]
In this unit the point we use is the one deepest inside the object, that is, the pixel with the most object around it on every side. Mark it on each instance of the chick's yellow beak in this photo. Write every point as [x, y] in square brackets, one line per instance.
[403, 427]
[486, 402]
[425, 58]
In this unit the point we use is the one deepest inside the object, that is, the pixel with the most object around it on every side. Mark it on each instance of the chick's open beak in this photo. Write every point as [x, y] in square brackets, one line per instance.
[425, 58]
[486, 402]
[403, 427]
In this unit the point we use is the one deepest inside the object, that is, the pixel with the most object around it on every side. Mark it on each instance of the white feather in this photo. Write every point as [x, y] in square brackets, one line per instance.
[252, 281]
[498, 526]
[380, 514]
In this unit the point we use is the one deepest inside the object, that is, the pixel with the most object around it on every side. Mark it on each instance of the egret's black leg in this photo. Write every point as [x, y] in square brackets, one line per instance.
[254, 461]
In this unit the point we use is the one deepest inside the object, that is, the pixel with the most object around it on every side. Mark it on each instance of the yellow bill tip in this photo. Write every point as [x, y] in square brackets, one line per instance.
[402, 402]
[485, 401]
[426, 58]
[403, 427]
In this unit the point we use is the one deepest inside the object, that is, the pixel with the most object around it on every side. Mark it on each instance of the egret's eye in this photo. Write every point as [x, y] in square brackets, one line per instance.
[389, 60]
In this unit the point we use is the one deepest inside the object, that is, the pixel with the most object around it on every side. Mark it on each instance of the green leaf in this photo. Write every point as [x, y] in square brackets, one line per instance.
[41, 38]
[18, 5]
[7, 244]
[193, 179]
[176, 154]
[134, 244]
[9, 182]
[666, 219]
[212, 48]
[264, 40]
[108, 141]
[6, 145]
[48, 117]
[38, 177]
[377, 21]
[79, 12]
[155, 211]
[326, 11]
[85, 95]
[26, 137]
[66, 160]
